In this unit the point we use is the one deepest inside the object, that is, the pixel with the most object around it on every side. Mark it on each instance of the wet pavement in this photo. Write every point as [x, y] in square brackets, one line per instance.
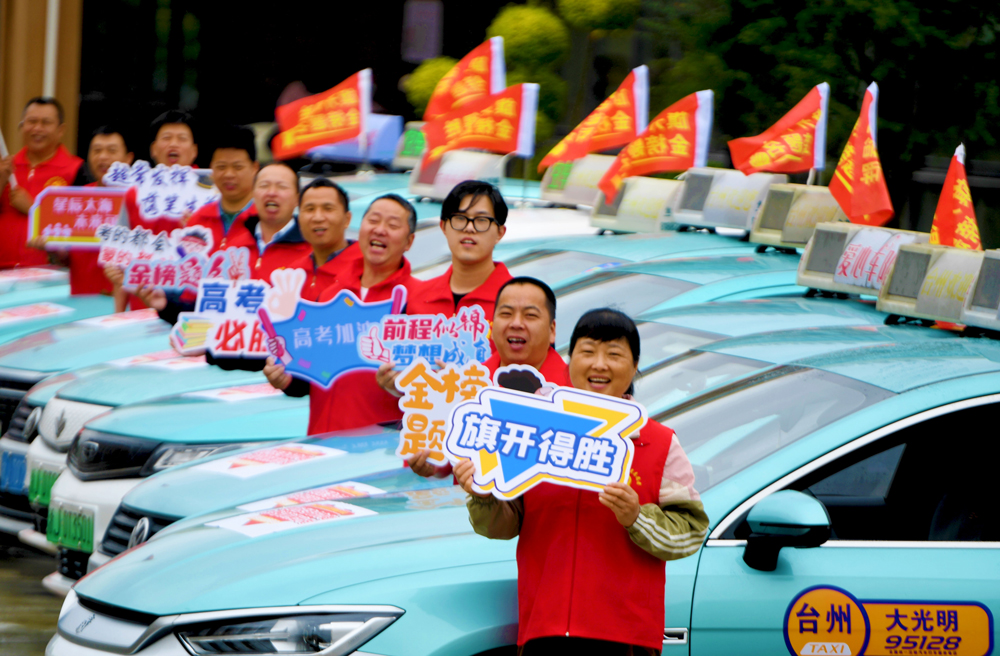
[28, 613]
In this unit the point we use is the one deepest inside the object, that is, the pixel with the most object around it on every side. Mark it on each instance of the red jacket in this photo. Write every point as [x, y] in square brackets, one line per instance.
[318, 278]
[554, 369]
[284, 252]
[578, 572]
[86, 276]
[435, 296]
[210, 216]
[356, 400]
[60, 169]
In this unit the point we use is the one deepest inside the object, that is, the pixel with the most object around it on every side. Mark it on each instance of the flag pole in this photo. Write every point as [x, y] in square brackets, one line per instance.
[812, 176]
[524, 180]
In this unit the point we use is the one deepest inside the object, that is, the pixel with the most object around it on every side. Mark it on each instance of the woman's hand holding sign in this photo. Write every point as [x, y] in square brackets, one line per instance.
[463, 474]
[623, 502]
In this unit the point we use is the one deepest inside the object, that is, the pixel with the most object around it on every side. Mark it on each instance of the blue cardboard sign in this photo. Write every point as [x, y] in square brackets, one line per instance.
[517, 440]
[321, 342]
[403, 338]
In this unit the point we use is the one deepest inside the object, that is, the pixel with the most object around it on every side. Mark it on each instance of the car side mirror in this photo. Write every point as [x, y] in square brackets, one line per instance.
[784, 519]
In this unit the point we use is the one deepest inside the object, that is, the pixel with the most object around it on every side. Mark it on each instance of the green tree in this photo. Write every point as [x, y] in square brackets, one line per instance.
[419, 86]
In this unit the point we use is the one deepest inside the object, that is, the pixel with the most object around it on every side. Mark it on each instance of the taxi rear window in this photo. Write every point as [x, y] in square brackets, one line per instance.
[559, 266]
[691, 374]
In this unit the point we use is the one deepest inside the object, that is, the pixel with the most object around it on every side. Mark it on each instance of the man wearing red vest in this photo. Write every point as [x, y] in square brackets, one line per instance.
[42, 162]
[107, 146]
[323, 220]
[356, 400]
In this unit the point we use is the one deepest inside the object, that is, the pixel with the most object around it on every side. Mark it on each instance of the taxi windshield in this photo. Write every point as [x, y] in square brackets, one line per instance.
[632, 294]
[728, 430]
[662, 341]
[690, 374]
[559, 266]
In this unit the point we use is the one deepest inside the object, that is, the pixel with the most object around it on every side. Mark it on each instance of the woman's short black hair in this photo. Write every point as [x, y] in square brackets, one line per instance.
[606, 325]
[477, 189]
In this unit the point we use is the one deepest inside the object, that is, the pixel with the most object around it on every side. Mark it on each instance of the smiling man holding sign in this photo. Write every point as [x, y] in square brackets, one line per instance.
[574, 543]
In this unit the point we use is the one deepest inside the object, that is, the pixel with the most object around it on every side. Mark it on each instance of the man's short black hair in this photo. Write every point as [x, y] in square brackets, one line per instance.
[47, 100]
[109, 129]
[281, 164]
[411, 219]
[477, 189]
[236, 137]
[170, 117]
[321, 182]
[550, 296]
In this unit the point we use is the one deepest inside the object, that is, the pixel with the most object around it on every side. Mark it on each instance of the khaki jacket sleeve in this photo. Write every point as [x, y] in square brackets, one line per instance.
[495, 519]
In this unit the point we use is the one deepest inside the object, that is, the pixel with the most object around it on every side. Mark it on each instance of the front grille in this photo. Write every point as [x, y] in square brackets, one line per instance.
[15, 429]
[40, 516]
[120, 530]
[72, 564]
[13, 386]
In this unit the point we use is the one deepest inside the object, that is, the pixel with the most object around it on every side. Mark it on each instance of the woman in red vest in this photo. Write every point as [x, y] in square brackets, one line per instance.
[591, 565]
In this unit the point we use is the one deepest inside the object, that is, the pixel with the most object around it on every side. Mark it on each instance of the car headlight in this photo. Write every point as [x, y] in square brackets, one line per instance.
[333, 634]
[95, 455]
[171, 455]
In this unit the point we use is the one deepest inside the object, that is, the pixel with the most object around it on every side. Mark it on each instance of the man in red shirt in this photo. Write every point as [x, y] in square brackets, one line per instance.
[524, 329]
[323, 220]
[173, 139]
[356, 399]
[86, 276]
[42, 162]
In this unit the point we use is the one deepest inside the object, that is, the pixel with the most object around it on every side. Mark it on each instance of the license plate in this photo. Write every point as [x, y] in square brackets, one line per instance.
[72, 529]
[40, 485]
[13, 467]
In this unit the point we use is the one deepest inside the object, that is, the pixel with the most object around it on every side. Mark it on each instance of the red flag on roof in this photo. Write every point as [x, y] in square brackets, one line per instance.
[501, 123]
[335, 115]
[796, 143]
[955, 217]
[616, 121]
[676, 140]
[480, 73]
[858, 184]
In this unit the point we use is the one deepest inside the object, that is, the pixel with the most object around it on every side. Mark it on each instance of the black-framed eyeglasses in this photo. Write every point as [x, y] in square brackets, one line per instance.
[479, 223]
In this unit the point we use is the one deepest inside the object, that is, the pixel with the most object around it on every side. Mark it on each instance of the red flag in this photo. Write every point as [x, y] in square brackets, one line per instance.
[858, 183]
[955, 217]
[335, 115]
[616, 121]
[481, 73]
[501, 123]
[796, 143]
[676, 140]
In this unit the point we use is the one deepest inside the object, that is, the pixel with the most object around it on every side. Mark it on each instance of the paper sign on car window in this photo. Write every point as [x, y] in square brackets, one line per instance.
[283, 519]
[121, 319]
[167, 360]
[238, 393]
[21, 313]
[346, 490]
[267, 460]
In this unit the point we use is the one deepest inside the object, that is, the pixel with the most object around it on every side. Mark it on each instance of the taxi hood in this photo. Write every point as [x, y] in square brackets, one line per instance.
[13, 325]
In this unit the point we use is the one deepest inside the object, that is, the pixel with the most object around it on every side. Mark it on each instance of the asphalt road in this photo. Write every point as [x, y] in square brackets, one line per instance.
[28, 613]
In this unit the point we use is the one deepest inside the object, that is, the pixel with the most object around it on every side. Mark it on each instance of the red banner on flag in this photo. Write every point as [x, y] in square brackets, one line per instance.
[676, 140]
[955, 217]
[858, 184]
[502, 123]
[335, 115]
[796, 143]
[616, 121]
[480, 73]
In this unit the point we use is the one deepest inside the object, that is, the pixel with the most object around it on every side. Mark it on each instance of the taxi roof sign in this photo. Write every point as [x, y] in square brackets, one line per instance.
[410, 147]
[453, 167]
[721, 198]
[852, 259]
[640, 206]
[982, 305]
[790, 212]
[575, 183]
[930, 282]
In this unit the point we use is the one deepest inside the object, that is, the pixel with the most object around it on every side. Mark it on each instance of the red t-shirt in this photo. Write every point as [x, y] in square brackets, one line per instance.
[60, 169]
[554, 369]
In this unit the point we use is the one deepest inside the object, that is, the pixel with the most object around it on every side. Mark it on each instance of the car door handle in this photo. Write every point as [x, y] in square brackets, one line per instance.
[675, 636]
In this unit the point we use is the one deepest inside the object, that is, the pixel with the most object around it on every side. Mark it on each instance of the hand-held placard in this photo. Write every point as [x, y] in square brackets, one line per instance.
[517, 440]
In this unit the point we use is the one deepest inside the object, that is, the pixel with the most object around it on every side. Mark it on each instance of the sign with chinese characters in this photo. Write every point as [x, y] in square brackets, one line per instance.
[224, 322]
[70, 216]
[166, 360]
[322, 342]
[21, 313]
[262, 461]
[119, 245]
[345, 490]
[282, 519]
[868, 259]
[188, 271]
[237, 393]
[428, 399]
[517, 440]
[828, 620]
[480, 73]
[163, 191]
[402, 338]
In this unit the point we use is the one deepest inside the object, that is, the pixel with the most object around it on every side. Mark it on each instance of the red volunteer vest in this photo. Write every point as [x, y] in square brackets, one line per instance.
[435, 297]
[210, 216]
[554, 369]
[578, 572]
[86, 276]
[60, 169]
[319, 278]
[356, 399]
